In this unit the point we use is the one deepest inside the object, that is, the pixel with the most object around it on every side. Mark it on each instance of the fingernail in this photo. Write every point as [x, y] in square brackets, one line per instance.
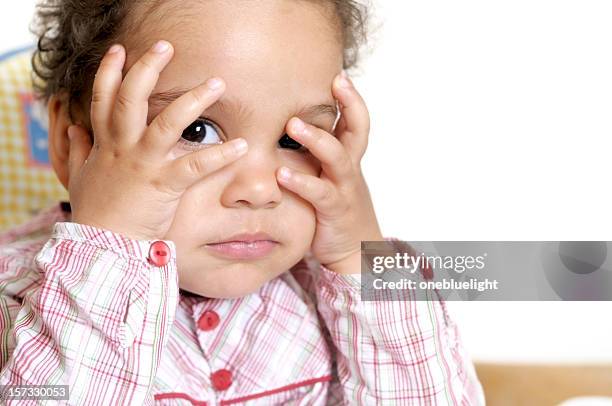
[298, 125]
[241, 145]
[70, 133]
[214, 83]
[344, 80]
[114, 49]
[161, 46]
[284, 173]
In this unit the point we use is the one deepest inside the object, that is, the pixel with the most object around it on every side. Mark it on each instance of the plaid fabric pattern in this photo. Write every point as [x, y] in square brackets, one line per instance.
[81, 306]
[27, 180]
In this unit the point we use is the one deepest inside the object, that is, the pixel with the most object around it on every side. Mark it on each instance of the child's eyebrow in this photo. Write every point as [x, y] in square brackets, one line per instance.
[161, 99]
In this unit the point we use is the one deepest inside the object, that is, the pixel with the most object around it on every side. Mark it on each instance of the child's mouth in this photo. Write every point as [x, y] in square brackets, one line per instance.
[243, 249]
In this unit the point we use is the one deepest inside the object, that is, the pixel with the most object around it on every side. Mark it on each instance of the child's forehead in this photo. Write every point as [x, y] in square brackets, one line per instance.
[252, 86]
[250, 78]
[267, 63]
[279, 32]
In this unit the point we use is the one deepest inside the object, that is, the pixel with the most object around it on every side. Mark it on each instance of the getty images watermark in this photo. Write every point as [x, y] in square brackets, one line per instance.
[486, 270]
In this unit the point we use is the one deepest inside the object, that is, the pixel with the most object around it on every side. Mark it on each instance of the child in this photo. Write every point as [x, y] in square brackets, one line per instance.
[164, 279]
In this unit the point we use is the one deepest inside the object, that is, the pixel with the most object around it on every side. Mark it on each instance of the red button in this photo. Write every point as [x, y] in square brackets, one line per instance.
[159, 253]
[222, 379]
[208, 320]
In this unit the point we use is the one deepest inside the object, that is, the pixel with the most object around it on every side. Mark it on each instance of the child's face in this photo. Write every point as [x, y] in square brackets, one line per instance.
[276, 57]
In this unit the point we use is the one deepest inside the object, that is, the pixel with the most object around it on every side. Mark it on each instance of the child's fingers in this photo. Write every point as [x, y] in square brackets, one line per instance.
[356, 126]
[165, 130]
[79, 149]
[335, 160]
[105, 87]
[190, 168]
[321, 194]
[132, 102]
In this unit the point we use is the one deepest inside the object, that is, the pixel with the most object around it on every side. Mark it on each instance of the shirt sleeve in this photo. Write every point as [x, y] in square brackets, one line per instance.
[401, 352]
[99, 319]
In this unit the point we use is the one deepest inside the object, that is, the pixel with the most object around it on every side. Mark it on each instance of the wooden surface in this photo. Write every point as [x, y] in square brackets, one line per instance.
[542, 385]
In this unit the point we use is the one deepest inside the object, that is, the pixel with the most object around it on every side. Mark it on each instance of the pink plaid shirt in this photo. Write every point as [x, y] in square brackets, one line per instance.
[82, 306]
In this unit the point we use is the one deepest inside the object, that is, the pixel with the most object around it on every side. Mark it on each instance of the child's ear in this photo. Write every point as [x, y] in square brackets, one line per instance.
[59, 145]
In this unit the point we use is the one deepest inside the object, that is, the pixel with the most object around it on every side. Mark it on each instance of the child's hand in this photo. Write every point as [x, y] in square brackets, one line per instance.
[344, 209]
[129, 182]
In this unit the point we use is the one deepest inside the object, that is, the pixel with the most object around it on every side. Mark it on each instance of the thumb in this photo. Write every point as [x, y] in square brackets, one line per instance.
[79, 148]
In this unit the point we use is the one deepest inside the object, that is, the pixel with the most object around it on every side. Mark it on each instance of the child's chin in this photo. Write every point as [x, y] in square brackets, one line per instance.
[226, 286]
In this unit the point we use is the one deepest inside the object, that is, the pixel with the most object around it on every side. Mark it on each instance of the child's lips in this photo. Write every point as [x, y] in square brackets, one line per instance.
[243, 249]
[247, 237]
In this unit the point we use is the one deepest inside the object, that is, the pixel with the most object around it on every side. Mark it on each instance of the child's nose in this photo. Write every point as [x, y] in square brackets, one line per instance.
[254, 184]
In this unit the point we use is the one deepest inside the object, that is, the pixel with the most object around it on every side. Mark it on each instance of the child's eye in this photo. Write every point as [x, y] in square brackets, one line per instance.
[200, 133]
[287, 142]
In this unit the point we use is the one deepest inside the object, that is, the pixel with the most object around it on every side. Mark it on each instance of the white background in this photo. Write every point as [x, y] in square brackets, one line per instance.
[490, 121]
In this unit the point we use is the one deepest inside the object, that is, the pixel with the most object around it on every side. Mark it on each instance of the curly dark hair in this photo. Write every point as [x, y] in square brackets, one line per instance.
[74, 35]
